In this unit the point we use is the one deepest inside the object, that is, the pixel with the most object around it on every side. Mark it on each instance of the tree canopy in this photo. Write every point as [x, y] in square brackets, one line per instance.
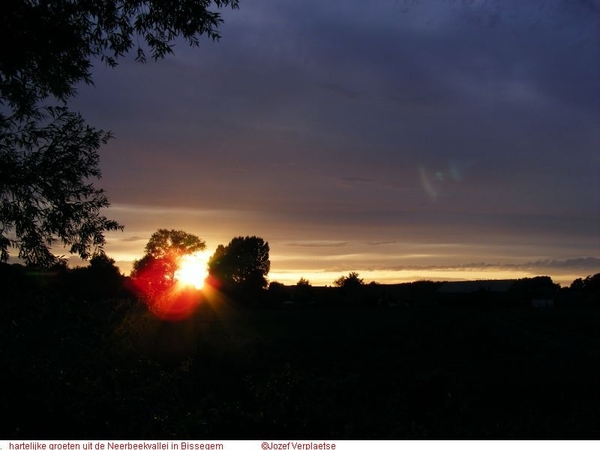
[351, 281]
[155, 272]
[303, 282]
[243, 263]
[51, 45]
[589, 283]
[100, 280]
[172, 244]
[48, 154]
[46, 198]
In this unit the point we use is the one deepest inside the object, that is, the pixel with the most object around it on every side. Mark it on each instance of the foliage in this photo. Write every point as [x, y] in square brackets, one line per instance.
[424, 288]
[244, 264]
[303, 282]
[303, 291]
[101, 279]
[48, 155]
[52, 44]
[172, 244]
[155, 272]
[591, 283]
[276, 286]
[577, 285]
[536, 287]
[351, 281]
[45, 163]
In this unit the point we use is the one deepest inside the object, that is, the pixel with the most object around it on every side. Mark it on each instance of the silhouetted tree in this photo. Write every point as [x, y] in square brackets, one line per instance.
[536, 287]
[48, 155]
[592, 283]
[351, 288]
[49, 46]
[101, 279]
[276, 286]
[303, 290]
[423, 289]
[154, 273]
[577, 285]
[11, 272]
[243, 265]
[303, 282]
[352, 281]
[589, 287]
[45, 165]
[277, 293]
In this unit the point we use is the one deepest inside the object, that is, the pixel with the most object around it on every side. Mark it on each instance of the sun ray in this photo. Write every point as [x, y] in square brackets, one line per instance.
[193, 270]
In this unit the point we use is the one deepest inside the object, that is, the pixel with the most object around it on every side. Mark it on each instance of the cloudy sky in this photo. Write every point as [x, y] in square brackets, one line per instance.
[400, 139]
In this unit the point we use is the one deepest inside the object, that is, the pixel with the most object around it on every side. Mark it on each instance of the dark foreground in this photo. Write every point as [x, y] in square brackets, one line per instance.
[110, 370]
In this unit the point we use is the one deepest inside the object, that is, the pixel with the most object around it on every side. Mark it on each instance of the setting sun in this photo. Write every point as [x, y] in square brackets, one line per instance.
[193, 269]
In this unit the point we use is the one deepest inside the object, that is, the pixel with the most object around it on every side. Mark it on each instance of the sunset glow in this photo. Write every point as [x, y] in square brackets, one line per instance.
[377, 161]
[299, 223]
[193, 269]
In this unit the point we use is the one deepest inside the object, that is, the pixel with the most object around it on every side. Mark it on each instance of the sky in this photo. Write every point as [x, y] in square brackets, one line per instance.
[403, 140]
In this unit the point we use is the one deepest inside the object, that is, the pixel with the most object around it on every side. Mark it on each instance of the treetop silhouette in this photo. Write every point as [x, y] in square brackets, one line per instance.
[243, 263]
[351, 281]
[155, 272]
[51, 45]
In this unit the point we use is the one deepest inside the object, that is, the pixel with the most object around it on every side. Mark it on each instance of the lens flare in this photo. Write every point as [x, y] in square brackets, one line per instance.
[172, 295]
[175, 304]
[192, 270]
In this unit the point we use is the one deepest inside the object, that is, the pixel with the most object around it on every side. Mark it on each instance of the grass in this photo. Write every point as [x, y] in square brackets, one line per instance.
[112, 370]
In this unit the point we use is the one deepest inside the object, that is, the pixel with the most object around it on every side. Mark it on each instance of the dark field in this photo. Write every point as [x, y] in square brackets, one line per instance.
[111, 370]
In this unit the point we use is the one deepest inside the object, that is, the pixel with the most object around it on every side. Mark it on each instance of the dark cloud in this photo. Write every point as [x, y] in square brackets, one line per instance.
[589, 263]
[460, 122]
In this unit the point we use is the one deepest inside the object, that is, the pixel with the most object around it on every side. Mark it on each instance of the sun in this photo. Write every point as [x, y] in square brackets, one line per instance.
[193, 269]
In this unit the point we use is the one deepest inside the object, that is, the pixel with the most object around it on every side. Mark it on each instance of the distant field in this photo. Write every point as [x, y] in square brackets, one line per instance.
[330, 373]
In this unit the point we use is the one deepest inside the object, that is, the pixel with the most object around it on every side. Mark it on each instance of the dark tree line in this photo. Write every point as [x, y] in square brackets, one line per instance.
[98, 281]
[351, 290]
